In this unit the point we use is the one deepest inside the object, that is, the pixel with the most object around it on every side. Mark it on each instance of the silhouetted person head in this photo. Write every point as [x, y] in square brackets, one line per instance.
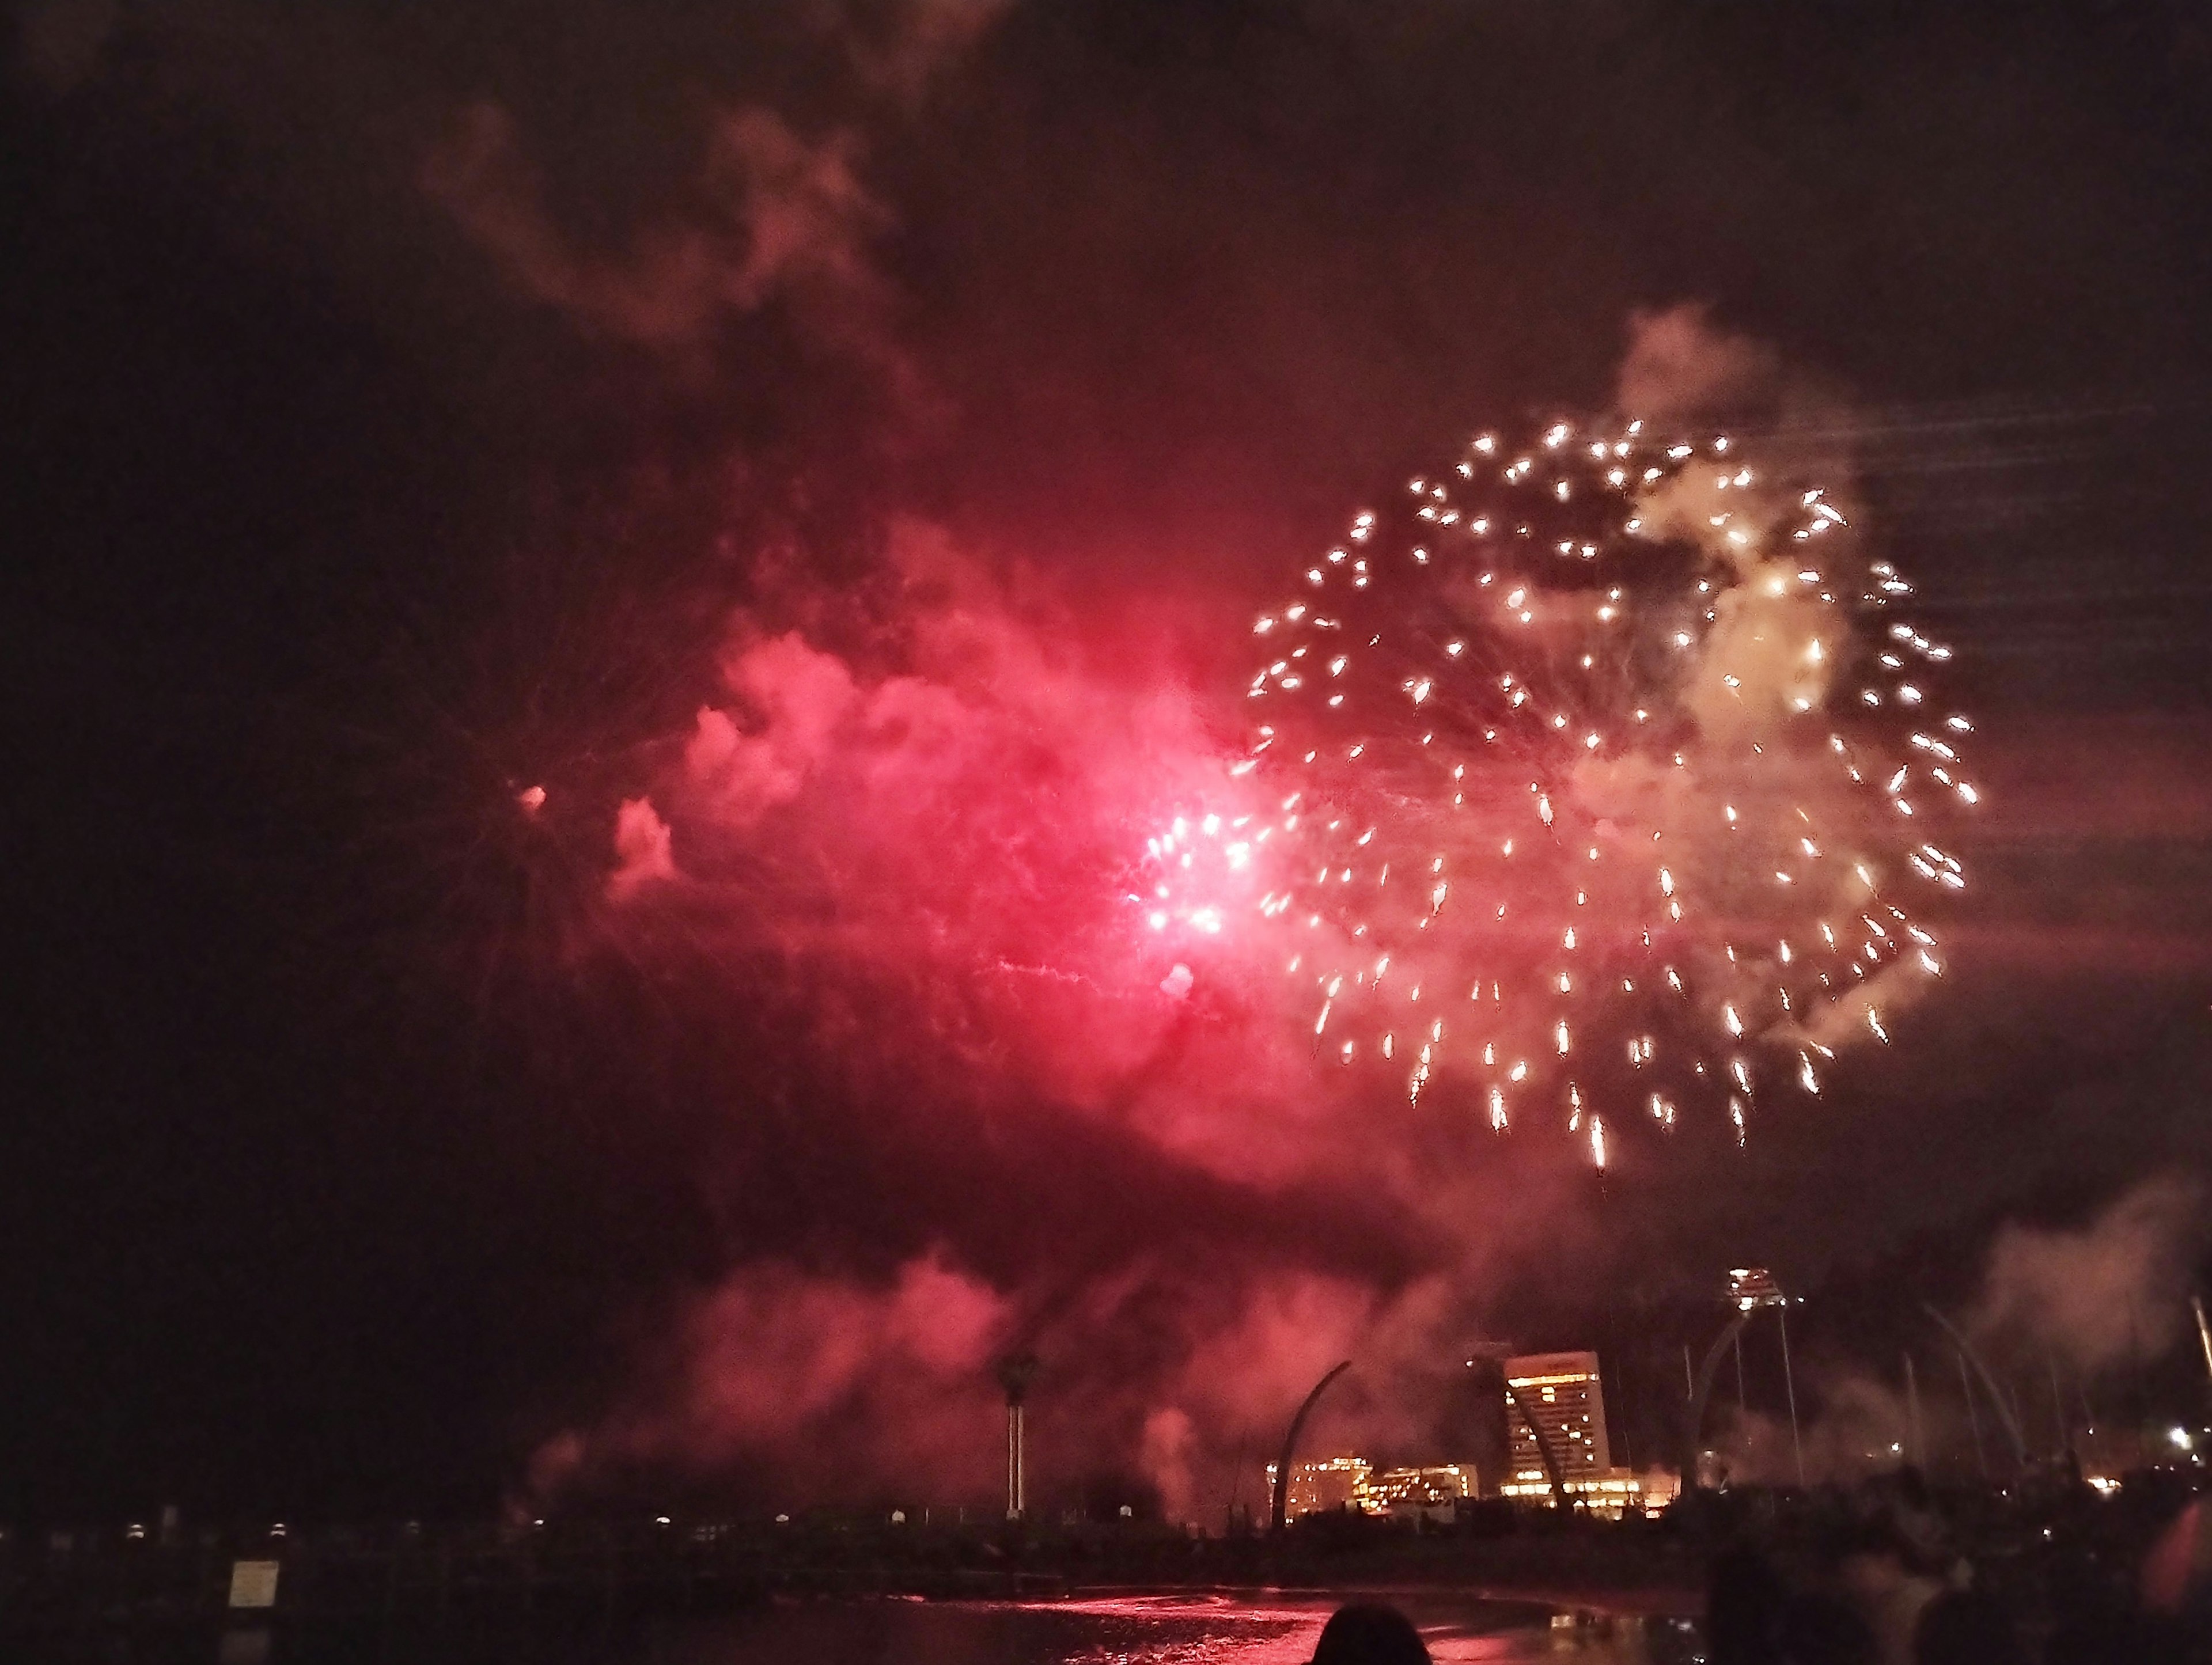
[1369, 1633]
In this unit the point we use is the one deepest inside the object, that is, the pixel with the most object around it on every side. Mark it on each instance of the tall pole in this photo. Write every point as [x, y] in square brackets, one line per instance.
[1621, 1409]
[1973, 1416]
[1236, 1476]
[1016, 1372]
[2203, 1332]
[1917, 1451]
[1790, 1387]
[1689, 1380]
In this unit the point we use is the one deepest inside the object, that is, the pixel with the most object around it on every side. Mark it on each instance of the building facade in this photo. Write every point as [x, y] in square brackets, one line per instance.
[1323, 1483]
[1566, 1397]
[1433, 1492]
[1352, 1482]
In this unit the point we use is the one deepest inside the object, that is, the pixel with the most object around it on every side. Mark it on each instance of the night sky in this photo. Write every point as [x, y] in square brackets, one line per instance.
[404, 407]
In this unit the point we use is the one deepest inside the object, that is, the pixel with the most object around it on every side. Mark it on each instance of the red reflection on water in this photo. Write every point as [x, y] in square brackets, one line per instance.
[1218, 1628]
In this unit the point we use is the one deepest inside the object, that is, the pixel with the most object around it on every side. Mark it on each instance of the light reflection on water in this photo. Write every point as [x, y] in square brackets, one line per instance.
[1183, 1629]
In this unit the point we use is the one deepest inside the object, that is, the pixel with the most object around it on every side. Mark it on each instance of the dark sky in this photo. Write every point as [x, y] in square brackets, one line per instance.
[397, 404]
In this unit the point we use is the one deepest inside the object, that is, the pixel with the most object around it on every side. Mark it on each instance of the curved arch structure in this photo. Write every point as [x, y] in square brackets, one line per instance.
[2005, 1418]
[1706, 1372]
[1734, 1328]
[1290, 1443]
[1279, 1514]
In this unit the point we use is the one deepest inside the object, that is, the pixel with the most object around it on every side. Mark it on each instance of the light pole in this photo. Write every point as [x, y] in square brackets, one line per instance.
[1918, 1457]
[1789, 1385]
[1016, 1372]
[1750, 1288]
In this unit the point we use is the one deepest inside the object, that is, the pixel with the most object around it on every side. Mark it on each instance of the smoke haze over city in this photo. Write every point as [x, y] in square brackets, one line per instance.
[608, 598]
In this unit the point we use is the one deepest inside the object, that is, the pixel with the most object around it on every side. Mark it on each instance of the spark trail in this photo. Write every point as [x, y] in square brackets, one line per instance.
[1596, 777]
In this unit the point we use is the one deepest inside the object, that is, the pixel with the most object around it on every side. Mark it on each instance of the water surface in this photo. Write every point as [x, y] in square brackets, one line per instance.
[1181, 1629]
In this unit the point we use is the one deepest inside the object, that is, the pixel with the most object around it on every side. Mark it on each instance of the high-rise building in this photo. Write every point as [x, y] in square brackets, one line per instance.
[1566, 1397]
[1566, 1400]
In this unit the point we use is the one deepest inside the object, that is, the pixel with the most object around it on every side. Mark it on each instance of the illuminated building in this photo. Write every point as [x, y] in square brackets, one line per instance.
[1350, 1482]
[1433, 1491]
[1565, 1396]
[1324, 1484]
[1610, 1492]
[1566, 1399]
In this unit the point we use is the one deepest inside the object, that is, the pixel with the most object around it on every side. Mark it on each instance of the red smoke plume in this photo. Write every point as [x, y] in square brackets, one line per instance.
[912, 822]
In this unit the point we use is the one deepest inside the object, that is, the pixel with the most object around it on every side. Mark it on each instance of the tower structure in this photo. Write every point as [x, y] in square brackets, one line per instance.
[1016, 1372]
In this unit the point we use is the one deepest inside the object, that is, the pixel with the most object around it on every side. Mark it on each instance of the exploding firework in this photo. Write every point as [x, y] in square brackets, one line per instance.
[1597, 774]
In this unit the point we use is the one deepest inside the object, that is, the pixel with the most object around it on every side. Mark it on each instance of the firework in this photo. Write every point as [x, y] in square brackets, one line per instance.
[1596, 775]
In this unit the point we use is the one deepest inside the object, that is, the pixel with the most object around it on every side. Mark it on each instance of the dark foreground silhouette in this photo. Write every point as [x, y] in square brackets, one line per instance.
[1369, 1633]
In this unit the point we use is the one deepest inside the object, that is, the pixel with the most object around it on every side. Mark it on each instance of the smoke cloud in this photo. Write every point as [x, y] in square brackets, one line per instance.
[918, 811]
[1851, 1425]
[913, 819]
[1678, 363]
[899, 49]
[889, 416]
[2106, 1296]
[829, 1376]
[779, 219]
[920, 805]
[885, 888]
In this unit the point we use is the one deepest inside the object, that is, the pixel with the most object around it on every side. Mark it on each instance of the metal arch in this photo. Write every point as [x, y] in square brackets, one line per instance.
[2005, 1416]
[1706, 1372]
[1291, 1442]
[1734, 1328]
[1560, 1495]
